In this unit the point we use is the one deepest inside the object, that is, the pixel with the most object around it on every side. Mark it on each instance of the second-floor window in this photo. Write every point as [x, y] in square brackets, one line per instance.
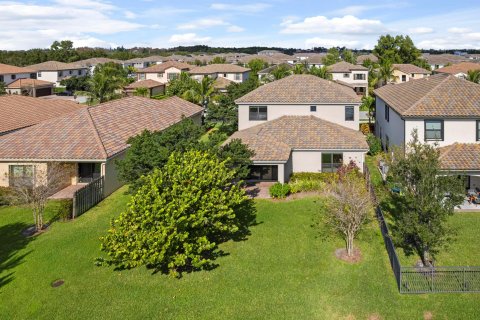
[387, 113]
[346, 75]
[171, 76]
[257, 113]
[359, 76]
[141, 76]
[313, 108]
[2, 78]
[14, 76]
[160, 75]
[349, 113]
[433, 130]
[238, 76]
[404, 77]
[478, 130]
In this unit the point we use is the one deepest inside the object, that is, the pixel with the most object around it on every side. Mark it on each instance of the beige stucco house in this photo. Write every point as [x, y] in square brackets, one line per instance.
[356, 75]
[163, 72]
[403, 72]
[88, 141]
[230, 72]
[154, 87]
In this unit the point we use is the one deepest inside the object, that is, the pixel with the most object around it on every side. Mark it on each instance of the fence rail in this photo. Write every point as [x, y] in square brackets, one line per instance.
[88, 196]
[424, 279]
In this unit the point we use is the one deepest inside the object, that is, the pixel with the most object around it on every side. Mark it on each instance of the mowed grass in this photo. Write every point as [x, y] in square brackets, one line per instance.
[461, 251]
[285, 270]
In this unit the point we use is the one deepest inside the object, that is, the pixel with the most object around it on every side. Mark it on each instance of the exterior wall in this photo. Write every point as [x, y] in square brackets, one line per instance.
[9, 78]
[394, 129]
[332, 113]
[311, 160]
[230, 76]
[109, 171]
[455, 130]
[157, 90]
[409, 76]
[57, 76]
[357, 157]
[158, 76]
[288, 169]
[339, 76]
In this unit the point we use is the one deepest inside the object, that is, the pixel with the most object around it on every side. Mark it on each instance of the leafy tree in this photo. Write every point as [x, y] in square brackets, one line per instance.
[76, 83]
[349, 57]
[2, 88]
[178, 217]
[374, 144]
[150, 150]
[141, 92]
[398, 49]
[218, 60]
[237, 156]
[428, 199]
[422, 63]
[179, 85]
[198, 62]
[385, 72]
[321, 72]
[256, 65]
[281, 71]
[63, 51]
[200, 92]
[298, 69]
[332, 57]
[368, 103]
[472, 75]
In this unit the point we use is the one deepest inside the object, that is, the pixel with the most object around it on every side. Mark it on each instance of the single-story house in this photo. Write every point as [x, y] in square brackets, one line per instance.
[163, 72]
[459, 70]
[404, 72]
[154, 87]
[30, 87]
[9, 73]
[316, 60]
[88, 141]
[231, 72]
[17, 111]
[307, 143]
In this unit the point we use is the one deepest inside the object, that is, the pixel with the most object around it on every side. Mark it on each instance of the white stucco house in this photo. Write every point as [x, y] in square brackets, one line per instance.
[445, 111]
[404, 72]
[355, 75]
[232, 72]
[163, 72]
[93, 62]
[55, 71]
[9, 74]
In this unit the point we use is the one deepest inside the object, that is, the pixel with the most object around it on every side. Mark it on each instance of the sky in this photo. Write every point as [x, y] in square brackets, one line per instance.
[302, 24]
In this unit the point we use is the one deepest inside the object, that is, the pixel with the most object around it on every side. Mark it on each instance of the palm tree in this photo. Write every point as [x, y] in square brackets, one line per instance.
[385, 72]
[298, 69]
[368, 103]
[200, 92]
[321, 72]
[280, 72]
[473, 76]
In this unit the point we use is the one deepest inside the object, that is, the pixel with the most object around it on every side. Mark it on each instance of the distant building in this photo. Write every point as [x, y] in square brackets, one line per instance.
[30, 87]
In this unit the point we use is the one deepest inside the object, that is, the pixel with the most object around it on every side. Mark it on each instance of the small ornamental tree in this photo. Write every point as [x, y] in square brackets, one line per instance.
[178, 216]
[428, 198]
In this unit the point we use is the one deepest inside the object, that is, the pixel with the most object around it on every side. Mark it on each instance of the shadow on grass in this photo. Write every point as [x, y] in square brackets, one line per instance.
[12, 241]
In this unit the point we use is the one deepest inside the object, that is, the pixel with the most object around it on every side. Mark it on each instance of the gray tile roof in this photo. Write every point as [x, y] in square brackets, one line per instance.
[301, 89]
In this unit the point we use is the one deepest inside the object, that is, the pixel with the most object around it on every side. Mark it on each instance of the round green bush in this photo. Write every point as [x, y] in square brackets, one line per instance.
[279, 190]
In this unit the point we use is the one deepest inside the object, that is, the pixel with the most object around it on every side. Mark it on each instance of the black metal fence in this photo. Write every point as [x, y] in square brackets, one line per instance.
[88, 196]
[424, 279]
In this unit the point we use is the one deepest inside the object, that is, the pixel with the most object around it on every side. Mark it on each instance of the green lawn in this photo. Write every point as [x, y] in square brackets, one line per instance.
[285, 270]
[462, 251]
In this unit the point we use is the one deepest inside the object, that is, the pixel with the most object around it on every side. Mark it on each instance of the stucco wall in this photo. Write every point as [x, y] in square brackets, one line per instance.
[110, 172]
[398, 74]
[455, 130]
[159, 76]
[7, 78]
[332, 113]
[307, 161]
[53, 76]
[394, 129]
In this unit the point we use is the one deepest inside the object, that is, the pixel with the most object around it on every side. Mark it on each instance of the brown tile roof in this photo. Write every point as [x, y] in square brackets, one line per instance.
[275, 139]
[344, 66]
[218, 68]
[443, 58]
[300, 89]
[95, 61]
[361, 58]
[20, 83]
[462, 67]
[94, 133]
[316, 59]
[460, 156]
[440, 95]
[55, 66]
[222, 83]
[20, 111]
[158, 68]
[409, 68]
[8, 69]
[149, 83]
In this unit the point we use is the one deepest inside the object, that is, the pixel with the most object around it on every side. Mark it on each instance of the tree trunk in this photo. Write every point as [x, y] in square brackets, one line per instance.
[349, 245]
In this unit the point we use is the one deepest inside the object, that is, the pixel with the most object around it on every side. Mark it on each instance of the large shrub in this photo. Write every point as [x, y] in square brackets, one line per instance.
[6, 196]
[326, 177]
[65, 209]
[176, 219]
[279, 190]
[375, 144]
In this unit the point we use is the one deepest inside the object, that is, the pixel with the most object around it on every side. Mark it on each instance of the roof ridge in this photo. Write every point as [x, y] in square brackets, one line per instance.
[97, 135]
[426, 94]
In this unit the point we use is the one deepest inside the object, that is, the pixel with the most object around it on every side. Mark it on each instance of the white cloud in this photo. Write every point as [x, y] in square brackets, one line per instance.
[202, 24]
[323, 42]
[420, 30]
[130, 15]
[321, 24]
[458, 30]
[356, 10]
[246, 8]
[233, 28]
[188, 39]
[97, 5]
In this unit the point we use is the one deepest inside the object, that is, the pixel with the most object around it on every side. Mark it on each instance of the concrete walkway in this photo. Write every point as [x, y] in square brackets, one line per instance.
[67, 193]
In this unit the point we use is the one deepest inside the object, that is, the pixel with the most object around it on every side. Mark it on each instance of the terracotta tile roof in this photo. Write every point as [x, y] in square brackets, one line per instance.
[20, 111]
[443, 58]
[149, 83]
[94, 133]
[158, 68]
[55, 66]
[409, 68]
[316, 59]
[361, 58]
[300, 89]
[218, 68]
[343, 67]
[222, 83]
[8, 69]
[462, 67]
[20, 83]
[440, 95]
[460, 156]
[275, 139]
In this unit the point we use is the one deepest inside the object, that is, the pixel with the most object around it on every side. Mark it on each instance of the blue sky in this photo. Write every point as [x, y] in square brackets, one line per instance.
[300, 24]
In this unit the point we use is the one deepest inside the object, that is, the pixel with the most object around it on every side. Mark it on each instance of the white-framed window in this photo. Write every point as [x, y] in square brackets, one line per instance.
[404, 77]
[39, 74]
[172, 76]
[160, 74]
[238, 76]
[359, 76]
[349, 113]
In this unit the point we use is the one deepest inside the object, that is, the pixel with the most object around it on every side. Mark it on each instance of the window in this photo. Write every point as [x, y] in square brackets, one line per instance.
[14, 76]
[79, 72]
[21, 175]
[257, 113]
[358, 76]
[331, 161]
[160, 75]
[404, 77]
[349, 113]
[313, 108]
[33, 75]
[141, 76]
[224, 75]
[433, 130]
[266, 173]
[87, 172]
[238, 76]
[387, 112]
[1, 78]
[70, 71]
[412, 75]
[39, 74]
[346, 75]
[172, 76]
[478, 130]
[60, 73]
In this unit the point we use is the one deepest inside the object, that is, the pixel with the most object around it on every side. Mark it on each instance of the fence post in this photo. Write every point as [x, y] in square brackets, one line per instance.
[74, 205]
[431, 277]
[464, 283]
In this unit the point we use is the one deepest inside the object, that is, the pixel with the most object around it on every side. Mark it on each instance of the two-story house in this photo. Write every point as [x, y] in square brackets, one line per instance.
[93, 62]
[300, 123]
[445, 111]
[355, 75]
[163, 72]
[459, 70]
[9, 73]
[231, 72]
[403, 72]
[55, 71]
